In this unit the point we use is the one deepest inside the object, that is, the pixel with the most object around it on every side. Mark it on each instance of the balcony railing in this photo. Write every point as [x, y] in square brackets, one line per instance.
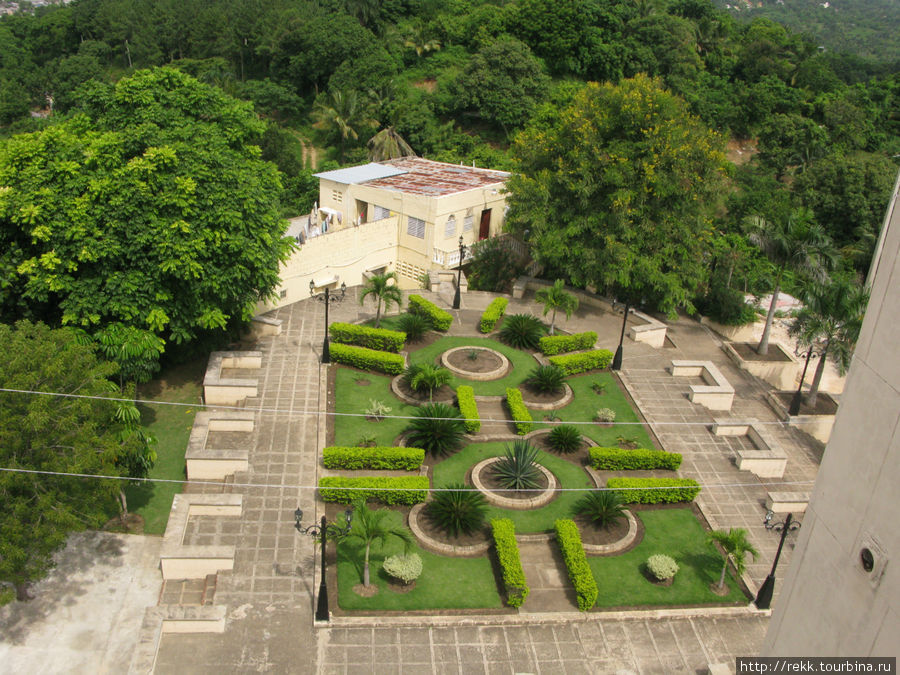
[449, 258]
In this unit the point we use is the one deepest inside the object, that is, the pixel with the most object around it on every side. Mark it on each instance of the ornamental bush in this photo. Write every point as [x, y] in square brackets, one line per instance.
[414, 325]
[603, 507]
[662, 566]
[517, 469]
[440, 320]
[565, 438]
[520, 414]
[605, 415]
[365, 336]
[569, 540]
[426, 377]
[437, 428]
[522, 331]
[558, 344]
[457, 509]
[468, 408]
[546, 379]
[504, 532]
[655, 490]
[385, 489]
[406, 568]
[617, 459]
[380, 457]
[492, 314]
[367, 359]
[582, 362]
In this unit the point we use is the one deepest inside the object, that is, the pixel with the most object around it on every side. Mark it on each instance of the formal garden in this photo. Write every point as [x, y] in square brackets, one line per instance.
[449, 447]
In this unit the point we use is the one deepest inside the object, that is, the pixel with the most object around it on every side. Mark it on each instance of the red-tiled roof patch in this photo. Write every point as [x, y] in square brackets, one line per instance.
[435, 179]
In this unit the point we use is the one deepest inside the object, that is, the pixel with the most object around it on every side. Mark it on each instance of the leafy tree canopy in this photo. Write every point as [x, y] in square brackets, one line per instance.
[150, 207]
[49, 433]
[618, 193]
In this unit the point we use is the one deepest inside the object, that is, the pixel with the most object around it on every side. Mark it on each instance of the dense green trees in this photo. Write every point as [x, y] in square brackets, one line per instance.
[128, 211]
[54, 433]
[618, 194]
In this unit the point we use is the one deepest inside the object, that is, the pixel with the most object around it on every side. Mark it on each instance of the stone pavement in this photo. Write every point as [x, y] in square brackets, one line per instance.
[269, 593]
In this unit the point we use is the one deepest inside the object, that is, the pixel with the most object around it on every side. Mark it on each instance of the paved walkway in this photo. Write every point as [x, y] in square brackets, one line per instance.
[269, 593]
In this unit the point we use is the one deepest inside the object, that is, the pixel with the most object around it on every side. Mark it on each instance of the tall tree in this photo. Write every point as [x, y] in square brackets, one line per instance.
[554, 298]
[388, 144]
[343, 114]
[370, 527]
[791, 242]
[382, 287]
[150, 207]
[734, 543]
[55, 433]
[831, 317]
[616, 192]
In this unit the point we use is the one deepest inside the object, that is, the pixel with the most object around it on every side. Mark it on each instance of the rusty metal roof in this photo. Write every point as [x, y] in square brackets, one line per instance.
[435, 179]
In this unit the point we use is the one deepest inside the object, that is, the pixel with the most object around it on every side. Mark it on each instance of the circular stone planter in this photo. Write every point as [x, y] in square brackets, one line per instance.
[495, 374]
[539, 499]
[616, 546]
[442, 547]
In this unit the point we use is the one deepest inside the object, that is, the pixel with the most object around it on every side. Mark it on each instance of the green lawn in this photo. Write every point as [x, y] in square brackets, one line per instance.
[453, 470]
[446, 583]
[522, 362]
[172, 427]
[675, 532]
[586, 403]
[354, 399]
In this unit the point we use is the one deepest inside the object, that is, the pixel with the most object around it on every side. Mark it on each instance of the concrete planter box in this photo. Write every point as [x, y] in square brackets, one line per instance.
[206, 463]
[716, 394]
[817, 426]
[744, 333]
[230, 391]
[766, 460]
[787, 502]
[781, 373]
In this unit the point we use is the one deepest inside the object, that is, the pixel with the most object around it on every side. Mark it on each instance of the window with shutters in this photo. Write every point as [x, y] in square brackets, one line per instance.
[337, 196]
[450, 227]
[469, 222]
[415, 227]
[381, 213]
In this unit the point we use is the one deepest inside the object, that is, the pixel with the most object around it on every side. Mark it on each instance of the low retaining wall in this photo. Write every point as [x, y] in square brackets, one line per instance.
[766, 461]
[205, 463]
[178, 561]
[744, 333]
[540, 499]
[817, 426]
[716, 394]
[781, 374]
[230, 391]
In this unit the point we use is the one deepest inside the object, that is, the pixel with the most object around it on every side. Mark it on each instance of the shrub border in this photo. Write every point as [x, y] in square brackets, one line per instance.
[514, 582]
[492, 314]
[440, 320]
[519, 411]
[570, 545]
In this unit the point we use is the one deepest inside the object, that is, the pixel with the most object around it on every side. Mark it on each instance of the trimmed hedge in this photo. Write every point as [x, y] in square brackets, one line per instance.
[440, 320]
[367, 359]
[617, 459]
[510, 563]
[557, 344]
[519, 412]
[465, 397]
[648, 492]
[492, 314]
[364, 336]
[385, 489]
[569, 540]
[583, 361]
[380, 457]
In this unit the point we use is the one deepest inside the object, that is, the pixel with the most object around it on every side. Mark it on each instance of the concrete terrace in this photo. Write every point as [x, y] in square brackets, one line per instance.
[269, 594]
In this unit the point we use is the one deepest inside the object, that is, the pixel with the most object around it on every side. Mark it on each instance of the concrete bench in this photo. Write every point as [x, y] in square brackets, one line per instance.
[206, 463]
[230, 391]
[787, 502]
[766, 460]
[178, 561]
[716, 394]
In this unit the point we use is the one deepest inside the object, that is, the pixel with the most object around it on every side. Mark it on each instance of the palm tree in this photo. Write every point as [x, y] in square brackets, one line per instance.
[554, 298]
[734, 543]
[388, 144]
[369, 526]
[418, 39]
[380, 286]
[797, 243]
[427, 376]
[341, 112]
[832, 316]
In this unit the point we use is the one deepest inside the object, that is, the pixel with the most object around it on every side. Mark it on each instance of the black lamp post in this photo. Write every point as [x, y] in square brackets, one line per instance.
[617, 359]
[813, 350]
[327, 298]
[316, 531]
[462, 254]
[764, 597]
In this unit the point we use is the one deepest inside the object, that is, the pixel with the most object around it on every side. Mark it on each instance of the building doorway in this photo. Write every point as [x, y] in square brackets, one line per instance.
[484, 229]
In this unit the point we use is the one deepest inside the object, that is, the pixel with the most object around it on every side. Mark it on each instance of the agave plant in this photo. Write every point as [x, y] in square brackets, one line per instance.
[457, 510]
[603, 507]
[414, 325]
[546, 379]
[522, 331]
[565, 438]
[437, 428]
[517, 469]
